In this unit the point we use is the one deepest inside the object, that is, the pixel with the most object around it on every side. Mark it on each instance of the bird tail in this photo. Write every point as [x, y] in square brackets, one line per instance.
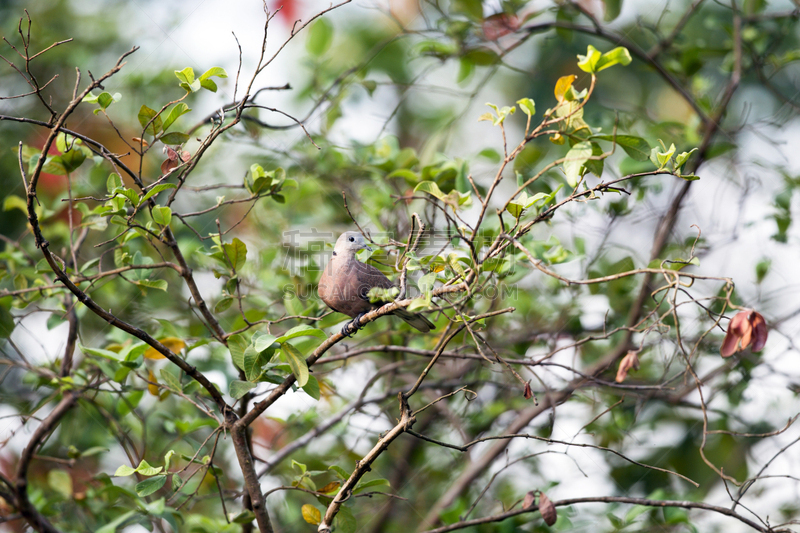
[415, 320]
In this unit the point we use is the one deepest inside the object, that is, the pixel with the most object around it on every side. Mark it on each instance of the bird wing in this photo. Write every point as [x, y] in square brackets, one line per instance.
[368, 277]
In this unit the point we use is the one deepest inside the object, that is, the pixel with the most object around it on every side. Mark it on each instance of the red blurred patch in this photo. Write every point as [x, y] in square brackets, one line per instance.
[289, 10]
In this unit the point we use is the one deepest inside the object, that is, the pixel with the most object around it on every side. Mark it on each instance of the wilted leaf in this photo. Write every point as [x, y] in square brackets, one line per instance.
[746, 327]
[498, 25]
[529, 500]
[547, 509]
[527, 392]
[630, 361]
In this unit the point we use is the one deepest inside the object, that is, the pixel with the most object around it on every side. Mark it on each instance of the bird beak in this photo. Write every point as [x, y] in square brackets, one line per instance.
[368, 247]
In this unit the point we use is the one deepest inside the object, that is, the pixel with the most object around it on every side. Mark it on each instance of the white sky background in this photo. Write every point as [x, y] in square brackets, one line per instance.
[198, 34]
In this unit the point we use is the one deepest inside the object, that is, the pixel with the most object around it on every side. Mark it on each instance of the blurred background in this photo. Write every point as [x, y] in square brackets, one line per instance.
[391, 93]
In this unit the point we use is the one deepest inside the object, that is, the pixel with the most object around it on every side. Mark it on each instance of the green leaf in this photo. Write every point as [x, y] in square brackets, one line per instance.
[252, 363]
[72, 159]
[345, 521]
[105, 99]
[296, 361]
[312, 388]
[426, 282]
[502, 114]
[105, 354]
[236, 253]
[55, 165]
[214, 71]
[240, 388]
[379, 295]
[611, 9]
[13, 201]
[302, 330]
[174, 138]
[223, 305]
[157, 189]
[185, 76]
[170, 380]
[660, 159]
[263, 341]
[636, 147]
[145, 469]
[145, 116]
[61, 482]
[131, 195]
[574, 161]
[588, 63]
[159, 284]
[149, 486]
[113, 182]
[237, 345]
[179, 109]
[681, 158]
[208, 85]
[618, 56]
[124, 470]
[244, 517]
[112, 526]
[162, 215]
[527, 106]
[431, 188]
[370, 483]
[320, 37]
[339, 471]
[471, 8]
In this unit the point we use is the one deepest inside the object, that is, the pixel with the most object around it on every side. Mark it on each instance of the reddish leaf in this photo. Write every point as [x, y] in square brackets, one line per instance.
[168, 166]
[746, 327]
[185, 156]
[547, 509]
[759, 332]
[630, 361]
[527, 393]
[498, 25]
[529, 500]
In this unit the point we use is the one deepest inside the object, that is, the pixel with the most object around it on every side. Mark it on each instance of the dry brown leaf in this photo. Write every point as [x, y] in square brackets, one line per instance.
[527, 392]
[547, 509]
[745, 328]
[498, 25]
[529, 500]
[630, 361]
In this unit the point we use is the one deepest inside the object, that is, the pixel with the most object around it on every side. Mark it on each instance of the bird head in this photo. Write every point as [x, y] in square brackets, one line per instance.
[350, 242]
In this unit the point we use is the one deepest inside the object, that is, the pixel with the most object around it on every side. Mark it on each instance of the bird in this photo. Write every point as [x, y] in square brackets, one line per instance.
[346, 281]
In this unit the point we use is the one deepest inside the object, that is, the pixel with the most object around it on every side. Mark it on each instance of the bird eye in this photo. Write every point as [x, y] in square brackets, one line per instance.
[352, 239]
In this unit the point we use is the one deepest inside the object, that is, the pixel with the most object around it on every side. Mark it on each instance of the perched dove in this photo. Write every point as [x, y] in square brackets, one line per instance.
[346, 281]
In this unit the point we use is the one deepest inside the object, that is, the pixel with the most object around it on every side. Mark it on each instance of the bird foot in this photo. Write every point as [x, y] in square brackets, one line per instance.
[349, 329]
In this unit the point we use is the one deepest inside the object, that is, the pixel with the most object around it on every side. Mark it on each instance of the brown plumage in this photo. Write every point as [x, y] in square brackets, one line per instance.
[346, 281]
